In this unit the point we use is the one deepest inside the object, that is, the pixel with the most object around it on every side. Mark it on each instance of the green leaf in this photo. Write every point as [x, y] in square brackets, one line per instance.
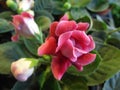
[115, 2]
[32, 45]
[113, 41]
[98, 5]
[108, 66]
[99, 25]
[44, 13]
[22, 85]
[43, 22]
[78, 3]
[5, 26]
[113, 83]
[43, 77]
[10, 52]
[77, 13]
[6, 15]
[71, 82]
[43, 5]
[51, 84]
[87, 69]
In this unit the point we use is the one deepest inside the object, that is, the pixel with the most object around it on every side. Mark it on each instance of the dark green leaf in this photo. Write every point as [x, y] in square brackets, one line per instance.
[43, 22]
[71, 82]
[51, 84]
[10, 52]
[6, 15]
[98, 5]
[77, 13]
[22, 85]
[113, 83]
[5, 26]
[78, 3]
[87, 69]
[108, 66]
[43, 5]
[32, 45]
[44, 13]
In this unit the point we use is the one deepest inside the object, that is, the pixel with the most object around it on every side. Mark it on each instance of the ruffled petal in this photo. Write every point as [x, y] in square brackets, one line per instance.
[81, 36]
[68, 50]
[53, 28]
[48, 47]
[65, 17]
[65, 26]
[82, 26]
[86, 59]
[90, 46]
[62, 39]
[59, 66]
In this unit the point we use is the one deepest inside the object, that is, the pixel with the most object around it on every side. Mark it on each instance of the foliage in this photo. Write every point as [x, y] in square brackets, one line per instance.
[103, 28]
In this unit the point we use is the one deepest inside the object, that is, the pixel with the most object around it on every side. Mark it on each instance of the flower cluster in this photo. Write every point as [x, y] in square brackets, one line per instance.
[69, 45]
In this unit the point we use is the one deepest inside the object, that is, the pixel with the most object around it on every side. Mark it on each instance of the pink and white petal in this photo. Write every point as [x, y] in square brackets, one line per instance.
[59, 66]
[53, 28]
[65, 17]
[62, 39]
[86, 59]
[67, 50]
[81, 36]
[65, 26]
[48, 47]
[82, 26]
[15, 38]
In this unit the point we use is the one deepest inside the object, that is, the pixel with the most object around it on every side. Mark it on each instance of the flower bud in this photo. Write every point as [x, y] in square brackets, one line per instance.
[25, 5]
[24, 26]
[22, 69]
[11, 4]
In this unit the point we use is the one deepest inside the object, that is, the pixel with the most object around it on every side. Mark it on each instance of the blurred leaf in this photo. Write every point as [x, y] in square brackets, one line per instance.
[51, 84]
[71, 82]
[59, 7]
[43, 22]
[5, 26]
[10, 52]
[98, 5]
[43, 76]
[44, 13]
[77, 13]
[113, 41]
[116, 2]
[22, 85]
[43, 5]
[78, 3]
[32, 45]
[98, 25]
[113, 83]
[6, 15]
[87, 69]
[108, 66]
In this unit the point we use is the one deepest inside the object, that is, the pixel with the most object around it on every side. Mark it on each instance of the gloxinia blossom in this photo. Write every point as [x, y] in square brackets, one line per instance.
[24, 26]
[69, 45]
[21, 69]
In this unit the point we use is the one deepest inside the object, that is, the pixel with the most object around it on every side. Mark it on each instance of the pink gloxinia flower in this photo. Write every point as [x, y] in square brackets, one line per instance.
[24, 26]
[69, 45]
[21, 69]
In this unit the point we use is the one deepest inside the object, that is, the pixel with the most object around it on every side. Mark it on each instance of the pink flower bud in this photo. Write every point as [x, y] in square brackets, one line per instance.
[21, 69]
[24, 26]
